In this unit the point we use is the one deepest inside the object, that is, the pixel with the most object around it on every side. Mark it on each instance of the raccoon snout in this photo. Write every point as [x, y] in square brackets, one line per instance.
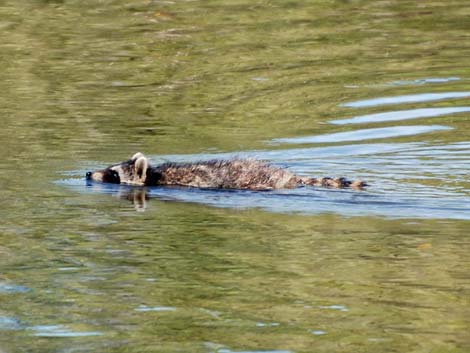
[88, 175]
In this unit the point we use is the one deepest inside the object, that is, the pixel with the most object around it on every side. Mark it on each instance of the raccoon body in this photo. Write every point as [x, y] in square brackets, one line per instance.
[248, 174]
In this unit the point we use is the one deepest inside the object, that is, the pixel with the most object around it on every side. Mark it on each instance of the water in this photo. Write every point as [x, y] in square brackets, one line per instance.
[376, 90]
[402, 115]
[365, 134]
[412, 98]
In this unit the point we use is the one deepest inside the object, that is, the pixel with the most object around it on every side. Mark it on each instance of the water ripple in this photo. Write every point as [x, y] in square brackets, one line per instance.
[411, 98]
[365, 134]
[401, 115]
[145, 308]
[423, 81]
[60, 331]
[407, 180]
[224, 350]
[12, 288]
[9, 323]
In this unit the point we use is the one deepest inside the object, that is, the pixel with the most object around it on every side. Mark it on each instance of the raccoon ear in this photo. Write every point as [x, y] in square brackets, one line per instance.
[137, 156]
[140, 166]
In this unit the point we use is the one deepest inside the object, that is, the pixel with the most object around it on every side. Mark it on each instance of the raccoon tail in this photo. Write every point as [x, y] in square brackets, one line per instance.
[334, 183]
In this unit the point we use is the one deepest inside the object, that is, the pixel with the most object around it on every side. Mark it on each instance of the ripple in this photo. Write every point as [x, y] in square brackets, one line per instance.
[283, 155]
[318, 332]
[12, 288]
[365, 134]
[334, 307]
[9, 323]
[154, 308]
[401, 115]
[60, 331]
[423, 81]
[411, 98]
[224, 350]
[407, 180]
[267, 324]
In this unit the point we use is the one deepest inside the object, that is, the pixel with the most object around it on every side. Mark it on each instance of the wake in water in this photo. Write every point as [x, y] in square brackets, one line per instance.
[409, 180]
[412, 180]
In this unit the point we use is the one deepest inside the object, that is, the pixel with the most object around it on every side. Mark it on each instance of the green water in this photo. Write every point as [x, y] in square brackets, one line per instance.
[87, 83]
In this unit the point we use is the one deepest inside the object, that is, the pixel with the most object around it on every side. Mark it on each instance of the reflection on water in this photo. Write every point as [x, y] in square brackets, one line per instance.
[87, 83]
[411, 98]
[335, 307]
[9, 323]
[12, 288]
[423, 81]
[318, 332]
[59, 331]
[144, 308]
[267, 324]
[401, 115]
[260, 351]
[365, 134]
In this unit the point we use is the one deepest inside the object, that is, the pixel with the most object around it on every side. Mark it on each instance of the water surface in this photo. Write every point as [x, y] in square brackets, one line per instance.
[401, 115]
[376, 90]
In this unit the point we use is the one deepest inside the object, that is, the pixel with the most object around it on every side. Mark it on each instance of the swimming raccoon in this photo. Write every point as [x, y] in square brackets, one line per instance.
[248, 174]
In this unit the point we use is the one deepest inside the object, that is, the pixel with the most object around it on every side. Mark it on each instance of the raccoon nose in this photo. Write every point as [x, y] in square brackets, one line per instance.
[88, 175]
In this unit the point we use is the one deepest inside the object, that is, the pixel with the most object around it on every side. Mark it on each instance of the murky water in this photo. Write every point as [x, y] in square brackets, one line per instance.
[376, 90]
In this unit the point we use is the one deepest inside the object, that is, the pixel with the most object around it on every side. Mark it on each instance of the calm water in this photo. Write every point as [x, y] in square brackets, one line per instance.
[377, 90]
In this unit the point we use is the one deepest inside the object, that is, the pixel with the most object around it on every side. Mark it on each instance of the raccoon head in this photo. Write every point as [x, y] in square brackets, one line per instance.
[133, 172]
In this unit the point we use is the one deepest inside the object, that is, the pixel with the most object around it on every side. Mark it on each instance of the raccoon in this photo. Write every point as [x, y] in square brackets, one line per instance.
[249, 174]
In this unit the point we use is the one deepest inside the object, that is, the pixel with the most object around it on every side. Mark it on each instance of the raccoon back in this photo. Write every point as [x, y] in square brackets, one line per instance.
[228, 174]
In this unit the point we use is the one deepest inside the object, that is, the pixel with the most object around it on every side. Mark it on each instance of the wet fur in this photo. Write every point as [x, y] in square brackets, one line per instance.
[248, 174]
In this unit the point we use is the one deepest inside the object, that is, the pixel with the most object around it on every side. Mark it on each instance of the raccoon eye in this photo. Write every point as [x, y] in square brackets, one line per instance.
[112, 176]
[115, 175]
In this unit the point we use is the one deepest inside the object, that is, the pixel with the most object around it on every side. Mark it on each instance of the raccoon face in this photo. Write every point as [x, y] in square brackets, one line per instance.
[107, 175]
[133, 172]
